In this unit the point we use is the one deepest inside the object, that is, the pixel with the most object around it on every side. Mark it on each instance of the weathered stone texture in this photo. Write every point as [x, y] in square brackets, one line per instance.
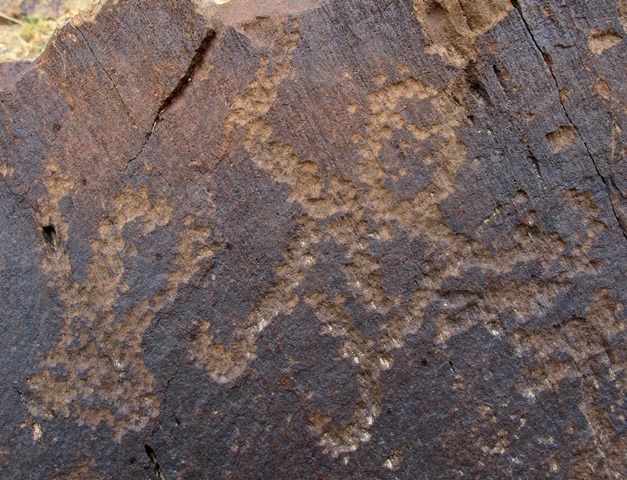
[316, 239]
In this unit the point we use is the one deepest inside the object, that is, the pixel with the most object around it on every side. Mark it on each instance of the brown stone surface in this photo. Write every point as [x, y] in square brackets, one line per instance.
[316, 239]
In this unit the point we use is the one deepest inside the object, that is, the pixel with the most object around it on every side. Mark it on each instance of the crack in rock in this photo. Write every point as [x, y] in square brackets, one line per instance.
[178, 90]
[568, 117]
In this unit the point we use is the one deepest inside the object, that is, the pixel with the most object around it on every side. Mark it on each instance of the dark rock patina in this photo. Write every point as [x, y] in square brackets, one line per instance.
[316, 239]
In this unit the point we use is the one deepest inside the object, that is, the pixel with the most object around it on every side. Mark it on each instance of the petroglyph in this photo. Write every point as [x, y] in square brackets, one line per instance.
[568, 352]
[365, 197]
[600, 41]
[458, 312]
[359, 350]
[580, 351]
[454, 25]
[353, 211]
[6, 170]
[226, 363]
[365, 236]
[561, 139]
[345, 210]
[95, 373]
[96, 359]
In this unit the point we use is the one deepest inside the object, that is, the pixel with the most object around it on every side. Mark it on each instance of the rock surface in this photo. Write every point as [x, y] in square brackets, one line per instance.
[316, 239]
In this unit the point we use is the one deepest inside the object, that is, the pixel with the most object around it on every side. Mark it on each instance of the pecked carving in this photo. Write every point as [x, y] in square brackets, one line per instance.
[345, 248]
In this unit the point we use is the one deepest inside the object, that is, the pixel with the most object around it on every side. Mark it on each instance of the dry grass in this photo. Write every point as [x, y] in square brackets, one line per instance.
[25, 38]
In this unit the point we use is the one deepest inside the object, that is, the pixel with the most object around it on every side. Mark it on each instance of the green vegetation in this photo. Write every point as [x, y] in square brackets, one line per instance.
[25, 39]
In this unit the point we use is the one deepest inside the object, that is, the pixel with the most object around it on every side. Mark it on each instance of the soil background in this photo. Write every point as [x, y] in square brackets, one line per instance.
[27, 25]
